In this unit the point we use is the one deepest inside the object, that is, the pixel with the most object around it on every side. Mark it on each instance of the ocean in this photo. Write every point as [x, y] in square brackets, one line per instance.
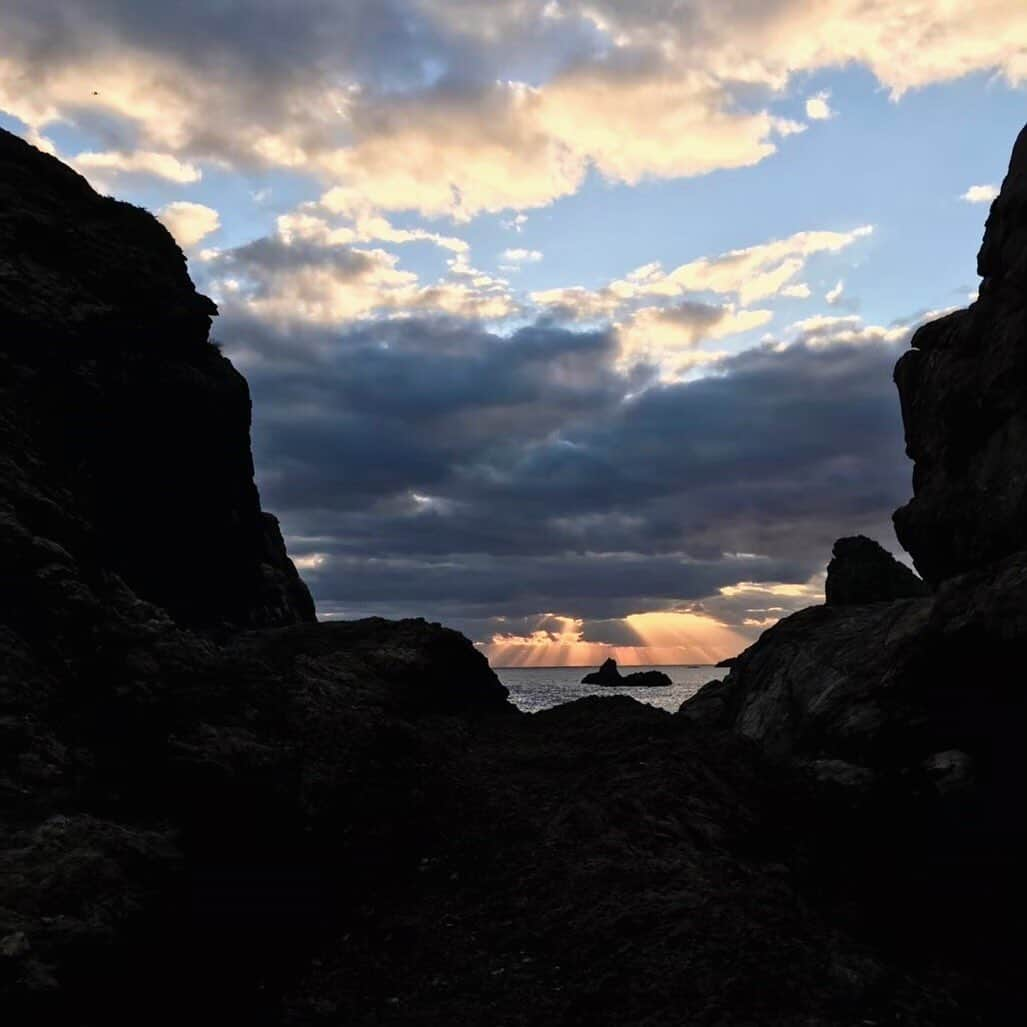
[539, 688]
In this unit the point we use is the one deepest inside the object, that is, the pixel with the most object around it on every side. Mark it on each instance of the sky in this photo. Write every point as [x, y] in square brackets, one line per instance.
[568, 324]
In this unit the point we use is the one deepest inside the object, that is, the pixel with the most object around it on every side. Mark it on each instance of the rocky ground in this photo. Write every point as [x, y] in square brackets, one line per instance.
[216, 811]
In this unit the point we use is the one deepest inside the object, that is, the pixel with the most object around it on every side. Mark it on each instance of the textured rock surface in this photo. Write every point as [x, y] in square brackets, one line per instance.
[349, 824]
[170, 806]
[908, 713]
[117, 416]
[963, 387]
[862, 571]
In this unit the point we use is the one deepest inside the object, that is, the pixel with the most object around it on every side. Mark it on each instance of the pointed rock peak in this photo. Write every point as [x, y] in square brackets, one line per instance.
[863, 571]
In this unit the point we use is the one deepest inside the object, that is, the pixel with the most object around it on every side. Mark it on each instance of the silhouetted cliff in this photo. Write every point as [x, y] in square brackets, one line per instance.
[963, 387]
[906, 710]
[126, 432]
[179, 811]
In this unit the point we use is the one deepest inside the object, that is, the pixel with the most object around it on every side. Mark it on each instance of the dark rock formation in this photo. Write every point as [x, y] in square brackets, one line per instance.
[610, 676]
[314, 824]
[862, 571]
[646, 679]
[116, 413]
[607, 674]
[906, 714]
[963, 387]
[176, 809]
[729, 661]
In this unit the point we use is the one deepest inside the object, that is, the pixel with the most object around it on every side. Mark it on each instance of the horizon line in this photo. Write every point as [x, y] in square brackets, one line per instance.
[582, 666]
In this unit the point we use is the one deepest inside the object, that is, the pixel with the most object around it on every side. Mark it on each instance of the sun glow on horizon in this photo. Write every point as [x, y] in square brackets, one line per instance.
[652, 639]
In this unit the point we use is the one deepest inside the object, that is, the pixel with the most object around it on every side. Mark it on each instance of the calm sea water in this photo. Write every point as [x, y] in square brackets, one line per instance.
[538, 688]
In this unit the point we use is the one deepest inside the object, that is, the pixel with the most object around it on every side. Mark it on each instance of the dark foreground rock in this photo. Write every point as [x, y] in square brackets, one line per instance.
[906, 710]
[963, 387]
[863, 571]
[610, 676]
[123, 431]
[215, 811]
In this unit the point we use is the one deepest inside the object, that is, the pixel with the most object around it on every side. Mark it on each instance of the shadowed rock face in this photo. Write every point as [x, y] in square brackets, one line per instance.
[903, 710]
[180, 811]
[117, 414]
[318, 824]
[963, 388]
[861, 571]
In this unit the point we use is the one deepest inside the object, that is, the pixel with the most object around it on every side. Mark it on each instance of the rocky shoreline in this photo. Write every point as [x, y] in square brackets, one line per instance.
[215, 810]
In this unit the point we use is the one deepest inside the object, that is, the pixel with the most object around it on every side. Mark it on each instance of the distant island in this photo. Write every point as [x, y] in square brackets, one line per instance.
[610, 676]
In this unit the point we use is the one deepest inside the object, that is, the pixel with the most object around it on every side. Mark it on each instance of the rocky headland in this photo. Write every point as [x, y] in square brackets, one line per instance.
[609, 676]
[215, 810]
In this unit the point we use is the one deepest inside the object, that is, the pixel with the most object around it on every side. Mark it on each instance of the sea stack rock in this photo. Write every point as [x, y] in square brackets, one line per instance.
[963, 388]
[862, 571]
[114, 403]
[607, 674]
[610, 676]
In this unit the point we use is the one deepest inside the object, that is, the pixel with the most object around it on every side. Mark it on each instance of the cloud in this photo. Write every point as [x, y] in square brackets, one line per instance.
[818, 108]
[519, 256]
[365, 224]
[452, 107]
[750, 274]
[100, 167]
[427, 466]
[834, 295]
[798, 291]
[670, 336]
[645, 638]
[980, 194]
[308, 273]
[189, 222]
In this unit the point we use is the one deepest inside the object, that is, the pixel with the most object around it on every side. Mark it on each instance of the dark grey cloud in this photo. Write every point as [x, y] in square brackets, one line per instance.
[264, 261]
[443, 470]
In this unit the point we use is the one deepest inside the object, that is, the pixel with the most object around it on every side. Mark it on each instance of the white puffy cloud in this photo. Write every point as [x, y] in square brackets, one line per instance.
[798, 291]
[980, 194]
[834, 295]
[359, 224]
[822, 330]
[101, 166]
[189, 222]
[309, 273]
[818, 107]
[751, 274]
[669, 337]
[521, 256]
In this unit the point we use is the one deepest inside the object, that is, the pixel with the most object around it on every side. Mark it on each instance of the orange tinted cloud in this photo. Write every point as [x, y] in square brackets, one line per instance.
[663, 638]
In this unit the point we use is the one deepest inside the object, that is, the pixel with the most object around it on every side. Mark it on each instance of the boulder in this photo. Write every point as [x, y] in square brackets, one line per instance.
[862, 571]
